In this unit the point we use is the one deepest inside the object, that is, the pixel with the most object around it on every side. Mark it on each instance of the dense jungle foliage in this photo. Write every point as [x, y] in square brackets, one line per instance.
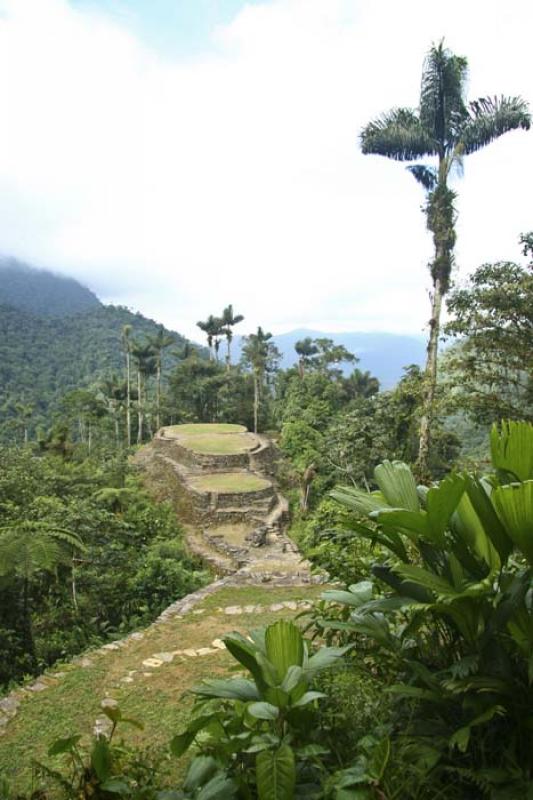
[85, 556]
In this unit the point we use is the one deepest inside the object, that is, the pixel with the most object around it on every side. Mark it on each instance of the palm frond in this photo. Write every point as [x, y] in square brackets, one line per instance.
[490, 118]
[426, 176]
[398, 135]
[442, 106]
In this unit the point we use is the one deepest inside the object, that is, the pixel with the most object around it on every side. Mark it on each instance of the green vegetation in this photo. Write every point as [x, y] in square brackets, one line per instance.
[229, 482]
[84, 557]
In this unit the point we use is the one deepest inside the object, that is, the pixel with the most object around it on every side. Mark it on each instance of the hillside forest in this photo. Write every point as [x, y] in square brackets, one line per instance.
[412, 675]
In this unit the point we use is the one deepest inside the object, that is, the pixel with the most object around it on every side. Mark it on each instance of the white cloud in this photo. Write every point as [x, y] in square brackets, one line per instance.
[177, 187]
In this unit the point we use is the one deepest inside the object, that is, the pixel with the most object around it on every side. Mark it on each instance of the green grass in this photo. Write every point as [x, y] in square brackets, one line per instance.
[222, 482]
[219, 427]
[219, 444]
[158, 701]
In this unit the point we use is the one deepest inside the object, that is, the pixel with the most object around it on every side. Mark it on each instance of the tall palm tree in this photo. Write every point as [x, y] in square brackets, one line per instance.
[229, 320]
[160, 342]
[261, 355]
[212, 327]
[144, 355]
[444, 126]
[126, 345]
[28, 547]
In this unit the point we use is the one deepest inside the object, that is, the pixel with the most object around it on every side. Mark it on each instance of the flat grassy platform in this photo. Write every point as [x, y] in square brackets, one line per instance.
[193, 428]
[219, 444]
[154, 696]
[222, 482]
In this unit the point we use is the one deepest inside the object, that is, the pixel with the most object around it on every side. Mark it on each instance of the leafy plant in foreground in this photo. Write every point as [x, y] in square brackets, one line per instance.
[458, 620]
[262, 731]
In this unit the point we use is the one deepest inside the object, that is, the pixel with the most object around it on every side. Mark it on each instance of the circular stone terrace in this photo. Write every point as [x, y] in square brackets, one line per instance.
[213, 439]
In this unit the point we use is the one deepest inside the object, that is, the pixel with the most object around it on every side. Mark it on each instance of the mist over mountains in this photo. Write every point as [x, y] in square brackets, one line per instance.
[60, 327]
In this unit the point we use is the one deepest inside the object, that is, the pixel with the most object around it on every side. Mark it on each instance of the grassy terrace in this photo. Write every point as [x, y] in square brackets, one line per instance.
[155, 696]
[195, 429]
[238, 482]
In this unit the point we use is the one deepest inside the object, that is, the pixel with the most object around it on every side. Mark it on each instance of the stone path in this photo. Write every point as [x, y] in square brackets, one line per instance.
[10, 705]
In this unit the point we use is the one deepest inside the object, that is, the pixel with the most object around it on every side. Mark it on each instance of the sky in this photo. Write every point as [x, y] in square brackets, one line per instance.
[180, 155]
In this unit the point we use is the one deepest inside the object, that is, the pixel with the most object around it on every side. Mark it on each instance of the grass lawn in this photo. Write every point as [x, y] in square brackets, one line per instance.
[219, 444]
[219, 427]
[157, 699]
[229, 482]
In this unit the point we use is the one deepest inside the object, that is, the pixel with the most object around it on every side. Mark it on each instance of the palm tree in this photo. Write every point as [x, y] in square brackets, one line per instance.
[159, 342]
[27, 547]
[114, 391]
[261, 355]
[144, 355]
[229, 320]
[126, 344]
[362, 384]
[445, 127]
[212, 327]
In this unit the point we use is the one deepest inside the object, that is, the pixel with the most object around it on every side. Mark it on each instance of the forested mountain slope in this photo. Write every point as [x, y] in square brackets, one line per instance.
[56, 336]
[42, 292]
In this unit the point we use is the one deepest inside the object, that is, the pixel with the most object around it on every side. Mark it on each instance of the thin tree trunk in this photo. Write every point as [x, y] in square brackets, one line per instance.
[29, 644]
[140, 408]
[117, 430]
[128, 398]
[25, 435]
[422, 464]
[73, 581]
[256, 401]
[158, 398]
[228, 356]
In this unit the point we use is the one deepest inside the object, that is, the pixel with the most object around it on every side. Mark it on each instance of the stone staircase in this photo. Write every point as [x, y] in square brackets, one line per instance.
[234, 514]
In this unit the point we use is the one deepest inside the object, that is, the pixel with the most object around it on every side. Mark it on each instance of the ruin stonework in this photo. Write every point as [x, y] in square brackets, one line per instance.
[239, 530]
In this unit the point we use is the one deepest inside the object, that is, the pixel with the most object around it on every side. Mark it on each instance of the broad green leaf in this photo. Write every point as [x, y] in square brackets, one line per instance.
[426, 579]
[246, 654]
[263, 711]
[512, 448]
[180, 743]
[413, 523]
[284, 646]
[483, 508]
[441, 502]
[347, 598]
[358, 500]
[63, 745]
[461, 737]
[101, 759]
[514, 506]
[307, 698]
[276, 774]
[469, 528]
[294, 676]
[231, 689]
[201, 769]
[218, 788]
[397, 485]
[324, 658]
[277, 696]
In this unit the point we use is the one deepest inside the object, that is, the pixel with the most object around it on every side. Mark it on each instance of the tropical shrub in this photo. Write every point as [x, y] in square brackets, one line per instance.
[262, 730]
[452, 611]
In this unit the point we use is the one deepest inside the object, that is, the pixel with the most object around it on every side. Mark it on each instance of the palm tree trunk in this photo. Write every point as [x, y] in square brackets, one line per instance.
[128, 398]
[422, 464]
[228, 356]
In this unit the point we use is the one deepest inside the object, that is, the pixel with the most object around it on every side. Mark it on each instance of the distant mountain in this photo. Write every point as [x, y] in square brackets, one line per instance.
[55, 336]
[42, 292]
[383, 354]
